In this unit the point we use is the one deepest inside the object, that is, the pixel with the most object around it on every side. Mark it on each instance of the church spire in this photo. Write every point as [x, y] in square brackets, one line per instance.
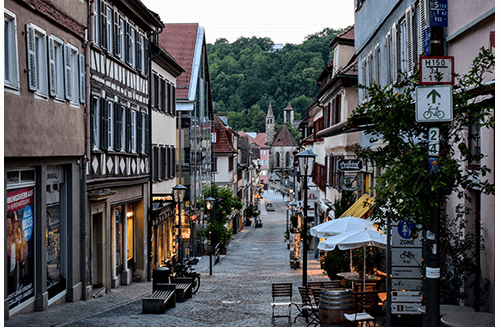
[269, 125]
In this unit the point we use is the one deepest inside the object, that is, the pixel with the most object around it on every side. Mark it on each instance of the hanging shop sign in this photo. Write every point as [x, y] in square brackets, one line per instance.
[350, 182]
[162, 197]
[350, 164]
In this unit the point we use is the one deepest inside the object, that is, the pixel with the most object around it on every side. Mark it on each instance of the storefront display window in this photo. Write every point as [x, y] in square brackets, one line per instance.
[54, 233]
[20, 239]
[118, 235]
[130, 232]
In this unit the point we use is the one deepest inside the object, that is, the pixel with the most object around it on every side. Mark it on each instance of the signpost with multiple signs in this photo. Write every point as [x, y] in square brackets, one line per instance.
[436, 69]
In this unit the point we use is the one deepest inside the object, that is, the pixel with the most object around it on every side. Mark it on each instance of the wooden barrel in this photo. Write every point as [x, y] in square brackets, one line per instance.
[332, 306]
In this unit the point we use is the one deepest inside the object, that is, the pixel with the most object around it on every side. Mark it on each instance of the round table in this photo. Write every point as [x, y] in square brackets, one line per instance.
[445, 309]
[469, 319]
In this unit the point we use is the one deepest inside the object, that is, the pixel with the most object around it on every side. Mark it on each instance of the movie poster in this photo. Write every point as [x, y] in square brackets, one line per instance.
[20, 245]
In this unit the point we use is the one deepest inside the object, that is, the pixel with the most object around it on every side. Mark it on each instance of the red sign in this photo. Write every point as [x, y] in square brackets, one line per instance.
[437, 70]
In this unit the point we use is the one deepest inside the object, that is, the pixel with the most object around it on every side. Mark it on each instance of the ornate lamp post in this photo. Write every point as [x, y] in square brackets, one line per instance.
[306, 160]
[210, 207]
[179, 191]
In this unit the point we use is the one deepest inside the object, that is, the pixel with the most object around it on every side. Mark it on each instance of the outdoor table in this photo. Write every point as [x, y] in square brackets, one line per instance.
[469, 319]
[355, 277]
[445, 309]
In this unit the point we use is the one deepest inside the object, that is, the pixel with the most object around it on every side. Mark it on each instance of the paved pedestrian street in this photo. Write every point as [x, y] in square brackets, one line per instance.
[237, 294]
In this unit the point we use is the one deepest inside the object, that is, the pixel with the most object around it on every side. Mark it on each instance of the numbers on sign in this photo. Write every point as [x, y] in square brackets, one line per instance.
[433, 134]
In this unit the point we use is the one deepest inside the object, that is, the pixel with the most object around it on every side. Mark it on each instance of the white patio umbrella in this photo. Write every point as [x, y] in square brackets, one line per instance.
[341, 225]
[353, 240]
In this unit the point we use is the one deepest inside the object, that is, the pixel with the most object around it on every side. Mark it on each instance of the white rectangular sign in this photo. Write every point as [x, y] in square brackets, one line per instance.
[411, 241]
[406, 284]
[434, 103]
[405, 308]
[406, 272]
[406, 296]
[407, 257]
[436, 69]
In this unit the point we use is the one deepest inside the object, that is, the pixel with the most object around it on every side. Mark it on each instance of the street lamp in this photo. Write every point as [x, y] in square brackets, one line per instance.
[306, 160]
[210, 207]
[179, 192]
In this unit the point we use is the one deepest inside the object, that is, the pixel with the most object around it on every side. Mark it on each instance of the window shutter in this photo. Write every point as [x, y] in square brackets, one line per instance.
[117, 47]
[138, 51]
[103, 131]
[93, 103]
[128, 133]
[155, 164]
[68, 79]
[168, 165]
[172, 98]
[395, 55]
[423, 22]
[388, 58]
[172, 162]
[52, 67]
[117, 130]
[139, 132]
[146, 134]
[31, 54]
[127, 43]
[162, 95]
[81, 61]
[104, 21]
[409, 39]
[363, 77]
[146, 56]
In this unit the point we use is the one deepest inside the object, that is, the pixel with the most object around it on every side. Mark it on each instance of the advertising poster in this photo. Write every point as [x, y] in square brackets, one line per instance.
[20, 245]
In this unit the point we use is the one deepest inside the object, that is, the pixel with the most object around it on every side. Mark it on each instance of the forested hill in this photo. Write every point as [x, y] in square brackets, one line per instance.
[246, 75]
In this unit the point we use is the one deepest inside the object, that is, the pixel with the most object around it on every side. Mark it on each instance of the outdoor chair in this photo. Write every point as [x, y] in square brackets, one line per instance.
[365, 308]
[307, 309]
[283, 292]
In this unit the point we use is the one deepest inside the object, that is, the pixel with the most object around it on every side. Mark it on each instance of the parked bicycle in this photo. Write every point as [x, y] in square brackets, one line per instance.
[185, 270]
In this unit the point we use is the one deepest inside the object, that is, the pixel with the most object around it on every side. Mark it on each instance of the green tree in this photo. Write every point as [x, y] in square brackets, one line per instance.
[407, 187]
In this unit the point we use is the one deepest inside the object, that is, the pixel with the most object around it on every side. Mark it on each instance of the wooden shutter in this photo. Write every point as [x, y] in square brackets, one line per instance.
[128, 132]
[395, 54]
[117, 115]
[388, 52]
[103, 130]
[162, 95]
[423, 22]
[168, 164]
[68, 80]
[409, 39]
[128, 56]
[173, 161]
[146, 134]
[93, 103]
[139, 132]
[104, 21]
[172, 98]
[31, 54]
[117, 47]
[138, 51]
[81, 61]
[155, 163]
[146, 56]
[52, 67]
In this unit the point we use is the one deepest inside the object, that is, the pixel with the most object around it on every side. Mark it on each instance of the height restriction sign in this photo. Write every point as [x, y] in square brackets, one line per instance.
[436, 70]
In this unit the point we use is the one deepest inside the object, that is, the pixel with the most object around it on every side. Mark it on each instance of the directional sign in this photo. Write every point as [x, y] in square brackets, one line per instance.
[406, 272]
[406, 284]
[438, 13]
[407, 257]
[434, 104]
[406, 296]
[405, 308]
[437, 70]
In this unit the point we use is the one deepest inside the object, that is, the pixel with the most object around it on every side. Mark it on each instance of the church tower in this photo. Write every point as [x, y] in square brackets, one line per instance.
[288, 115]
[269, 125]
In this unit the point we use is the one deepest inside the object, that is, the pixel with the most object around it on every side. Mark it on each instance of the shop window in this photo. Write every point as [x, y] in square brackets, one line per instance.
[130, 232]
[11, 68]
[20, 250]
[118, 237]
[55, 234]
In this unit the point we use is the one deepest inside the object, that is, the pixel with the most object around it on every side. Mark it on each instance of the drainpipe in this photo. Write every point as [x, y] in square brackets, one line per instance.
[83, 208]
[151, 35]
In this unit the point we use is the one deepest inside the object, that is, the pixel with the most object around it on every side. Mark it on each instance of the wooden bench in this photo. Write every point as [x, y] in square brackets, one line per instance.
[160, 300]
[183, 291]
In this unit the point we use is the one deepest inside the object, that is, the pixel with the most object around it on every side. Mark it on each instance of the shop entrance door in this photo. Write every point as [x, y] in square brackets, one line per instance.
[98, 254]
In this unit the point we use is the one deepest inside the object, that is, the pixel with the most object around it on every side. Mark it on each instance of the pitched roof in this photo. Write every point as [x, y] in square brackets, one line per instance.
[180, 41]
[260, 139]
[224, 142]
[346, 37]
[283, 137]
[251, 141]
[289, 107]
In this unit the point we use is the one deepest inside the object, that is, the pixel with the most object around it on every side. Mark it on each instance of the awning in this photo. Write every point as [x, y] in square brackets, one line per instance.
[360, 208]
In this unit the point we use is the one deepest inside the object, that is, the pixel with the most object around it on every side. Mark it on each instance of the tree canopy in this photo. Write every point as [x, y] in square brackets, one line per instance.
[247, 75]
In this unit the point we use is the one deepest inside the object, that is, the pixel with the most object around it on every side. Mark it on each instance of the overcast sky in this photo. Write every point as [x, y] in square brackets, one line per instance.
[283, 21]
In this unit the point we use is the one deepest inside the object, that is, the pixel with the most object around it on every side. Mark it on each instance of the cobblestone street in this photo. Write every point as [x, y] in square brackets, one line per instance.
[237, 294]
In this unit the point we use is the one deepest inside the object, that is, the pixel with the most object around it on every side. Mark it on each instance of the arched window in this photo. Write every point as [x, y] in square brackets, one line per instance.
[277, 159]
[287, 160]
